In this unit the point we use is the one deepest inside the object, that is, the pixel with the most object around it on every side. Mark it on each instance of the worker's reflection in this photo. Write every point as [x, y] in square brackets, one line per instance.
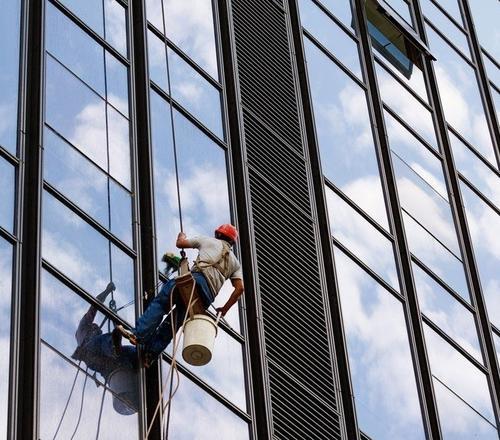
[97, 350]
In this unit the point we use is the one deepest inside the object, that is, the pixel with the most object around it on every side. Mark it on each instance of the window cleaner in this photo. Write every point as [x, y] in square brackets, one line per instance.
[214, 264]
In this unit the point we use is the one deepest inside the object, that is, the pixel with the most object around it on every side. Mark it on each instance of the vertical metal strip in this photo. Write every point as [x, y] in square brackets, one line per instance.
[421, 364]
[30, 147]
[340, 343]
[147, 246]
[463, 232]
[260, 405]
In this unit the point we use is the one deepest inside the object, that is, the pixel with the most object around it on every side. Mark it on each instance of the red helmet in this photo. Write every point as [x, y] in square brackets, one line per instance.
[228, 231]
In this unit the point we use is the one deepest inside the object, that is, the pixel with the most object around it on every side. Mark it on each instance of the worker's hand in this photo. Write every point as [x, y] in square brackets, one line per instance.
[221, 310]
[103, 295]
[181, 236]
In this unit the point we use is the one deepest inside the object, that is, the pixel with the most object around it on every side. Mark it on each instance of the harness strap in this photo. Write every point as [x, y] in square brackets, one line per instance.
[216, 264]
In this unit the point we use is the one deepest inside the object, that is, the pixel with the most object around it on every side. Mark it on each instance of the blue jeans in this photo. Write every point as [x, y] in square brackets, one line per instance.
[154, 334]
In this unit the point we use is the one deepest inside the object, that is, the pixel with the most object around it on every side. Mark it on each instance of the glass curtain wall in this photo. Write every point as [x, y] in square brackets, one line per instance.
[386, 396]
[10, 31]
[367, 276]
[87, 223]
[192, 193]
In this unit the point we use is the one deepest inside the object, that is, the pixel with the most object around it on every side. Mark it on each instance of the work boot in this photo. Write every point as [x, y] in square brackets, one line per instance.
[116, 338]
[127, 334]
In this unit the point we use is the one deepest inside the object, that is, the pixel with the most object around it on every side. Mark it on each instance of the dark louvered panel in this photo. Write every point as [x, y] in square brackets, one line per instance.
[298, 351]
[267, 87]
[312, 417]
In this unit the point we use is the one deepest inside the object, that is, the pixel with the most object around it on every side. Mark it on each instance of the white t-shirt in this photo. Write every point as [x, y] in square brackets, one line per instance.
[210, 251]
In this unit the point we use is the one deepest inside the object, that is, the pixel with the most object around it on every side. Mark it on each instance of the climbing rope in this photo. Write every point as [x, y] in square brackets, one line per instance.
[81, 404]
[100, 410]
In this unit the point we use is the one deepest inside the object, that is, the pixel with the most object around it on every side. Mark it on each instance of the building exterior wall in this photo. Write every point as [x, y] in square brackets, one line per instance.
[365, 186]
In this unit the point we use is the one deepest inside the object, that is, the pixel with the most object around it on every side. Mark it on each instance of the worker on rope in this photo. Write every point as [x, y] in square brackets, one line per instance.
[214, 265]
[100, 353]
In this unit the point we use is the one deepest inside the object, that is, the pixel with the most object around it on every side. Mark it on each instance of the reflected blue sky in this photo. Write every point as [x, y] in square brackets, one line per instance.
[5, 306]
[341, 9]
[496, 339]
[386, 397]
[9, 73]
[484, 225]
[361, 238]
[89, 11]
[460, 97]
[446, 312]
[453, 8]
[117, 75]
[401, 7]
[461, 376]
[330, 35]
[212, 420]
[485, 14]
[7, 185]
[116, 25]
[492, 70]
[344, 133]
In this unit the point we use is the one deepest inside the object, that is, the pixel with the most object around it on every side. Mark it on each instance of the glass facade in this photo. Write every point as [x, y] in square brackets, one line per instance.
[401, 98]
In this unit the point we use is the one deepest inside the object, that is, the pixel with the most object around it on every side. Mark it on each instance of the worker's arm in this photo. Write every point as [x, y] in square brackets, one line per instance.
[182, 241]
[89, 317]
[233, 299]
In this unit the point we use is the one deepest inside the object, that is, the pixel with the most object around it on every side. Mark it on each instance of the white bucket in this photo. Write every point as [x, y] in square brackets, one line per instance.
[199, 337]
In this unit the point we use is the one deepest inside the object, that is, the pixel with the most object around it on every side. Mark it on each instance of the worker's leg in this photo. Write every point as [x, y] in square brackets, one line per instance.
[153, 315]
[163, 334]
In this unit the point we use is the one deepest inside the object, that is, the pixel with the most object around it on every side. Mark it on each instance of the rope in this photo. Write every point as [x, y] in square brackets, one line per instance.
[67, 401]
[100, 411]
[173, 364]
[81, 404]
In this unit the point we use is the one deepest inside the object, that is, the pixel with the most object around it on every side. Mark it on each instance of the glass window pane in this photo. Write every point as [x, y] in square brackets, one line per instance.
[425, 205]
[83, 254]
[459, 93]
[387, 403]
[446, 312]
[90, 11]
[485, 14]
[9, 73]
[6, 255]
[428, 250]
[458, 375]
[157, 61]
[361, 238]
[68, 333]
[82, 119]
[341, 10]
[116, 25]
[406, 106]
[496, 339]
[453, 8]
[344, 133]
[475, 170]
[492, 70]
[402, 8]
[208, 418]
[484, 225]
[409, 149]
[121, 212]
[117, 76]
[190, 25]
[7, 185]
[225, 371]
[76, 50]
[195, 93]
[330, 35]
[452, 32]
[154, 13]
[119, 147]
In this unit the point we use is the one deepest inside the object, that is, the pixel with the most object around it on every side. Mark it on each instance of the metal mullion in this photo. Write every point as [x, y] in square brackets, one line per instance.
[465, 241]
[494, 86]
[428, 321]
[478, 193]
[9, 157]
[212, 392]
[490, 57]
[95, 36]
[88, 219]
[424, 143]
[334, 59]
[356, 208]
[188, 115]
[333, 17]
[82, 293]
[443, 284]
[77, 150]
[172, 46]
[421, 370]
[482, 82]
[369, 271]
[409, 89]
[6, 235]
[403, 209]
